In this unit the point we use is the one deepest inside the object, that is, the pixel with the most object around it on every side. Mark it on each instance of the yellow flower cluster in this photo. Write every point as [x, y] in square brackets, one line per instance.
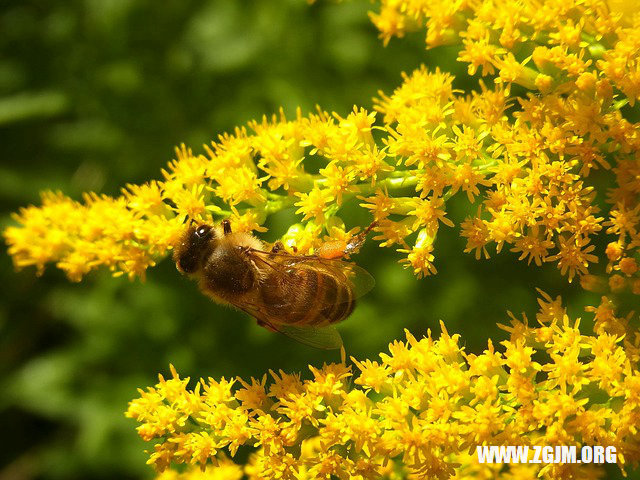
[551, 45]
[540, 154]
[538, 164]
[418, 412]
[224, 469]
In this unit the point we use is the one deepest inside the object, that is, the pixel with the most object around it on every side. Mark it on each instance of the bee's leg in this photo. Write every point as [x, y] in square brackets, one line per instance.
[277, 247]
[226, 227]
[356, 242]
[332, 250]
[267, 326]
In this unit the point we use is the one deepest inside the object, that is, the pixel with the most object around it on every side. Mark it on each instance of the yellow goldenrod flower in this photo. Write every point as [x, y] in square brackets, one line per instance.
[224, 469]
[420, 257]
[527, 160]
[567, 40]
[573, 257]
[421, 408]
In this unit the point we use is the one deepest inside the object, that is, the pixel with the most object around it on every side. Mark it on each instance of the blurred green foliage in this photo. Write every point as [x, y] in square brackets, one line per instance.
[94, 94]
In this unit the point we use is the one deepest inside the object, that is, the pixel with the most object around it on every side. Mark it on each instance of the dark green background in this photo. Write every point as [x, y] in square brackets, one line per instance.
[94, 95]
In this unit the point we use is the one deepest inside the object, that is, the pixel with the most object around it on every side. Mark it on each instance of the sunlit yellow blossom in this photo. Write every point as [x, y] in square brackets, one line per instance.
[359, 123]
[146, 198]
[372, 375]
[532, 246]
[221, 469]
[420, 407]
[339, 233]
[243, 185]
[571, 128]
[252, 396]
[574, 256]
[313, 204]
[392, 232]
[338, 181]
[528, 156]
[302, 239]
[420, 258]
[381, 204]
[187, 168]
[429, 213]
[477, 234]
[480, 54]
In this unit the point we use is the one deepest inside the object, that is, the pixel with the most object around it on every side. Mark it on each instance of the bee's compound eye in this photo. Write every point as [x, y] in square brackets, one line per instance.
[203, 231]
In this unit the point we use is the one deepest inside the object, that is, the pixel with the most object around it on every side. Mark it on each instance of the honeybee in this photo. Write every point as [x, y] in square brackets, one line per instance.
[301, 296]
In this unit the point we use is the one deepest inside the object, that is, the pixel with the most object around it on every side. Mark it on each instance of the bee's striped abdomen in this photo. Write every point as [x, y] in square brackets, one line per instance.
[333, 301]
[307, 297]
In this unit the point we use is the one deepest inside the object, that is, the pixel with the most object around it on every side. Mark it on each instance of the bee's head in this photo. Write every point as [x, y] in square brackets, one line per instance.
[191, 250]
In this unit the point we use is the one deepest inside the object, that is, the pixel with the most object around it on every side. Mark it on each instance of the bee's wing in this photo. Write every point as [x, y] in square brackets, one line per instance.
[326, 337]
[322, 334]
[361, 281]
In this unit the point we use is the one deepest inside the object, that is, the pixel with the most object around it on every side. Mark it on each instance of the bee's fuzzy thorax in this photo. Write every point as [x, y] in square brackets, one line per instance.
[239, 239]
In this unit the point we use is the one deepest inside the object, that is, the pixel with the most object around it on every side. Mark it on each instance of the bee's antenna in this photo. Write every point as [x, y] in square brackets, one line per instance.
[226, 227]
[373, 225]
[356, 242]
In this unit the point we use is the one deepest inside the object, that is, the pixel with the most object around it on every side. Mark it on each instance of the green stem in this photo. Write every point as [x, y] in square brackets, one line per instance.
[390, 183]
[620, 103]
[449, 37]
[596, 50]
[275, 203]
[487, 167]
[528, 78]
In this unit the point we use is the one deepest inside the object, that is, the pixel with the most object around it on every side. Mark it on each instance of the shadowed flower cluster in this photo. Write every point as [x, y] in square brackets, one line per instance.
[418, 411]
[547, 157]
